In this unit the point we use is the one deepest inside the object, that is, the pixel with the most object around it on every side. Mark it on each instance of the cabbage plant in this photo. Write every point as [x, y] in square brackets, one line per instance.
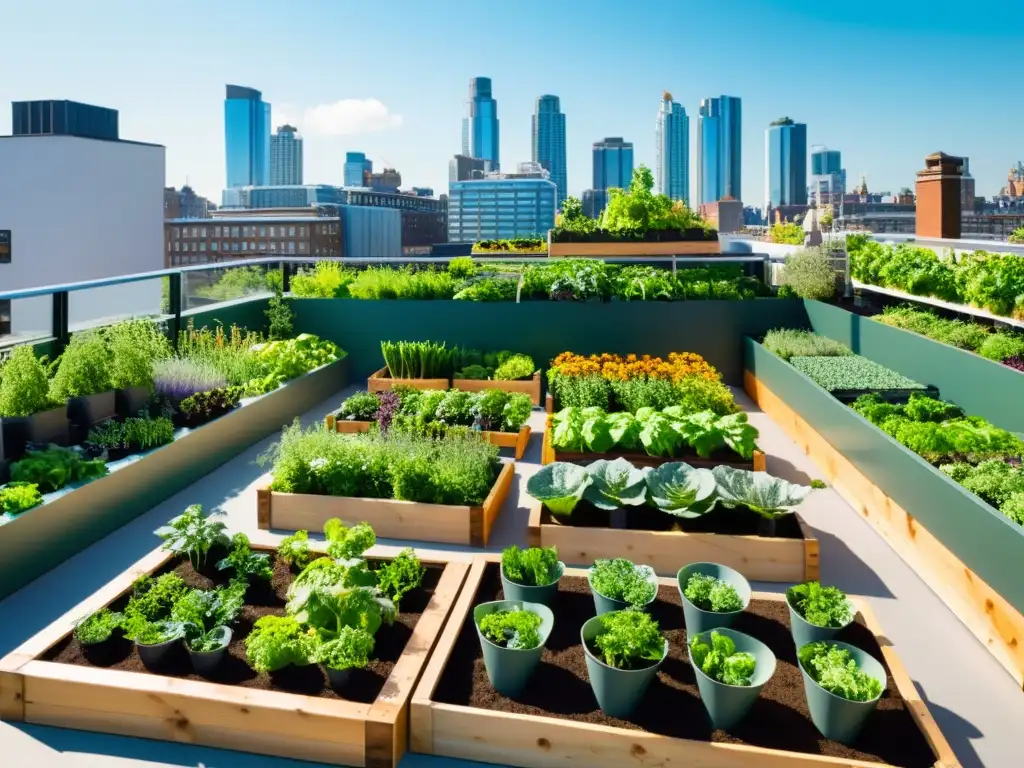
[770, 497]
[615, 484]
[560, 486]
[680, 490]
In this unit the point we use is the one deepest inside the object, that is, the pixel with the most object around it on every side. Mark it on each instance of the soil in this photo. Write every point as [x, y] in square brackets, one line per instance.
[265, 600]
[778, 720]
[729, 522]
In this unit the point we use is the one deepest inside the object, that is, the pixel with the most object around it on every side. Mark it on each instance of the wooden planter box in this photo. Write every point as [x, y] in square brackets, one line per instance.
[529, 387]
[380, 381]
[549, 454]
[638, 249]
[391, 519]
[515, 440]
[759, 558]
[217, 715]
[536, 741]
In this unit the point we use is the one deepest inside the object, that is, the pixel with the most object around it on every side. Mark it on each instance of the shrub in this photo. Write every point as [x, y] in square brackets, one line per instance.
[1000, 346]
[83, 369]
[461, 267]
[1017, 236]
[327, 280]
[787, 233]
[279, 317]
[387, 283]
[792, 342]
[135, 345]
[24, 387]
[810, 275]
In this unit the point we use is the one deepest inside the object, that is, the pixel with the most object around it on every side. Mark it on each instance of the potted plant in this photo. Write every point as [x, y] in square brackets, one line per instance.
[531, 575]
[26, 410]
[83, 380]
[512, 635]
[817, 612]
[619, 584]
[155, 640]
[101, 636]
[195, 535]
[731, 670]
[713, 596]
[623, 652]
[205, 616]
[350, 650]
[843, 685]
[135, 345]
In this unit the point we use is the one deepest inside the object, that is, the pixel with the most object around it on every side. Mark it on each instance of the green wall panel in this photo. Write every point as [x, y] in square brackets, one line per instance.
[979, 386]
[542, 329]
[985, 541]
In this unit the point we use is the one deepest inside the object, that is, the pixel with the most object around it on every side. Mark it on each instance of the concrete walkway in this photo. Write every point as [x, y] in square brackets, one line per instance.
[976, 704]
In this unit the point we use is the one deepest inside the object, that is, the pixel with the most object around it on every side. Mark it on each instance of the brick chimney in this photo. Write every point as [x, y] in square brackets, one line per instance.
[938, 196]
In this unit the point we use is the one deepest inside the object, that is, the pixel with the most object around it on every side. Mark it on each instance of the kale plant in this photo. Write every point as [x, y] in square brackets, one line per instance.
[533, 567]
[711, 594]
[630, 639]
[837, 672]
[515, 630]
[402, 574]
[246, 563]
[720, 661]
[820, 606]
[619, 579]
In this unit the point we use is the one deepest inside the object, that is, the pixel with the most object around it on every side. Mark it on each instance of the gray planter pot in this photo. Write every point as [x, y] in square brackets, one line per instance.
[697, 620]
[618, 691]
[804, 632]
[154, 655]
[604, 604]
[509, 669]
[87, 410]
[128, 402]
[205, 663]
[338, 679]
[727, 705]
[837, 718]
[44, 427]
[545, 594]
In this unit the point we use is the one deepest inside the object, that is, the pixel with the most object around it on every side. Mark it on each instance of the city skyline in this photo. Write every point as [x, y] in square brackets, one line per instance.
[410, 119]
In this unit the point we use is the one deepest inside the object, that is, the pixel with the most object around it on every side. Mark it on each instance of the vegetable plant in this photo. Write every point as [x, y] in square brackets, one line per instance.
[533, 567]
[204, 406]
[344, 542]
[711, 594]
[55, 467]
[205, 614]
[402, 574]
[820, 606]
[615, 484]
[283, 360]
[719, 660]
[851, 372]
[680, 490]
[770, 497]
[837, 672]
[620, 579]
[417, 359]
[83, 368]
[515, 367]
[560, 486]
[245, 563]
[24, 386]
[98, 627]
[18, 497]
[294, 550]
[630, 639]
[515, 630]
[351, 649]
[193, 534]
[362, 406]
[279, 641]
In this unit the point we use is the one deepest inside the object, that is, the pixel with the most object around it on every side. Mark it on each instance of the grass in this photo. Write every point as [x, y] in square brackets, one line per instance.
[789, 342]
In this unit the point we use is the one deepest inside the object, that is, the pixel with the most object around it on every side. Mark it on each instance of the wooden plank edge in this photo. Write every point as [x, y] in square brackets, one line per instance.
[492, 505]
[522, 441]
[534, 537]
[264, 508]
[812, 550]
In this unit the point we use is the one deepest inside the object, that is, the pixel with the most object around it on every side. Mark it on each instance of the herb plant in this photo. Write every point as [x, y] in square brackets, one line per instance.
[619, 579]
[400, 575]
[204, 406]
[837, 672]
[245, 563]
[533, 567]
[133, 434]
[193, 534]
[135, 345]
[820, 606]
[417, 359]
[351, 649]
[810, 274]
[279, 641]
[630, 639]
[98, 627]
[362, 406]
[515, 367]
[720, 661]
[294, 550]
[55, 467]
[515, 630]
[178, 378]
[851, 372]
[24, 387]
[83, 368]
[16, 497]
[711, 594]
[789, 342]
[279, 317]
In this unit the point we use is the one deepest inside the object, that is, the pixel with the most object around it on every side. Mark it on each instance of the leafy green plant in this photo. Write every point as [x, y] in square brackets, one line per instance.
[327, 280]
[24, 386]
[279, 317]
[334, 596]
[837, 672]
[707, 433]
[957, 333]
[719, 660]
[787, 233]
[206, 614]
[98, 627]
[147, 617]
[630, 639]
[851, 372]
[294, 550]
[152, 632]
[245, 563]
[515, 630]
[810, 274]
[351, 649]
[768, 496]
[344, 542]
[461, 267]
[711, 594]
[279, 641]
[281, 361]
[16, 497]
[792, 342]
[135, 345]
[134, 434]
[533, 567]
[1000, 346]
[680, 490]
[696, 393]
[193, 534]
[499, 411]
[401, 575]
[514, 368]
[55, 467]
[83, 369]
[820, 606]
[204, 406]
[560, 486]
[620, 579]
[386, 283]
[417, 359]
[362, 406]
[615, 484]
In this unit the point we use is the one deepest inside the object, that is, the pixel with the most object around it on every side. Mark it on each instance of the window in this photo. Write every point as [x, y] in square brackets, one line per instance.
[177, 233]
[5, 317]
[184, 247]
[302, 246]
[291, 231]
[291, 245]
[195, 231]
[202, 247]
[176, 246]
[202, 231]
[245, 245]
[272, 232]
[234, 246]
[302, 231]
[214, 246]
[263, 231]
[216, 231]
[273, 246]
[234, 233]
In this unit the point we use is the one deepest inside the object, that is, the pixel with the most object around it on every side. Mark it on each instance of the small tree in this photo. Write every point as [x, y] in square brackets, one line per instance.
[826, 220]
[279, 316]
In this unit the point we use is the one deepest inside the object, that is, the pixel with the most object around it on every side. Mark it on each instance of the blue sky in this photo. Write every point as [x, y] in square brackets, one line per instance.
[884, 82]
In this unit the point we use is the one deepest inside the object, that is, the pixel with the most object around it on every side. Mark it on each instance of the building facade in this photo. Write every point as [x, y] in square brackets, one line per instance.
[785, 163]
[672, 150]
[828, 178]
[388, 180]
[63, 118]
[719, 149]
[186, 204]
[356, 168]
[480, 138]
[252, 234]
[246, 137]
[613, 168]
[548, 141]
[501, 206]
[465, 168]
[286, 156]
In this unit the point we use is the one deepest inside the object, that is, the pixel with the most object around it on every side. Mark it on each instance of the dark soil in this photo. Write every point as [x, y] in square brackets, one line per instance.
[266, 600]
[731, 522]
[778, 720]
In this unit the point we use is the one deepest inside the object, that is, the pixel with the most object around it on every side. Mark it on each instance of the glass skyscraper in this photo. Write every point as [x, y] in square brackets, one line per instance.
[549, 141]
[826, 161]
[480, 127]
[246, 137]
[719, 149]
[286, 156]
[613, 168]
[828, 178]
[672, 150]
[355, 164]
[497, 208]
[785, 172]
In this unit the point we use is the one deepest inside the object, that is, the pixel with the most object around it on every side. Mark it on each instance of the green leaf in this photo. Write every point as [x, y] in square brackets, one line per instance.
[567, 429]
[624, 430]
[597, 434]
[657, 434]
[615, 484]
[739, 434]
[559, 486]
[768, 496]
[680, 490]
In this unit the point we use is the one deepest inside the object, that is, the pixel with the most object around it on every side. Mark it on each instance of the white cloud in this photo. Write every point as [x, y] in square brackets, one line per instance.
[347, 117]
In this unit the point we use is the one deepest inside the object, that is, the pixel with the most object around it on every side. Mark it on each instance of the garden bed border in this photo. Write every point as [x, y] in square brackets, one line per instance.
[530, 386]
[216, 715]
[515, 440]
[378, 382]
[533, 741]
[638, 249]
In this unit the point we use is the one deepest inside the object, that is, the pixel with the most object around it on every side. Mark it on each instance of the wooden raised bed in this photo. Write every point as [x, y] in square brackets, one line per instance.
[549, 454]
[166, 708]
[515, 440]
[529, 387]
[380, 381]
[638, 249]
[759, 558]
[390, 518]
[529, 732]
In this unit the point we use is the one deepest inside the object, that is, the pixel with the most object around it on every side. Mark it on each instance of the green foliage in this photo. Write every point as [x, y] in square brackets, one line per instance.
[514, 368]
[294, 550]
[770, 497]
[711, 594]
[837, 672]
[205, 614]
[820, 606]
[98, 627]
[630, 639]
[417, 359]
[227, 352]
[282, 361]
[152, 632]
[533, 567]
[572, 218]
[134, 434]
[787, 233]
[24, 386]
[995, 480]
[695, 394]
[238, 282]
[580, 391]
[923, 408]
[1017, 236]
[204, 406]
[957, 333]
[362, 406]
[851, 372]
[351, 649]
[475, 372]
[620, 579]
[513, 245]
[455, 407]
[406, 283]
[54, 467]
[135, 345]
[402, 574]
[633, 212]
[559, 486]
[278, 641]
[1013, 508]
[720, 661]
[245, 563]
[999, 346]
[192, 534]
[344, 542]
[279, 317]
[515, 630]
[489, 289]
[680, 490]
[791, 342]
[461, 267]
[810, 274]
[615, 484]
[330, 596]
[16, 498]
[83, 369]
[147, 615]
[327, 280]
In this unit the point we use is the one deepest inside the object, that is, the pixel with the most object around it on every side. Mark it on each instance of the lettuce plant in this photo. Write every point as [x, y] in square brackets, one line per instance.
[345, 542]
[351, 649]
[630, 639]
[98, 627]
[620, 579]
[711, 594]
[837, 672]
[515, 630]
[244, 562]
[55, 467]
[820, 606]
[16, 498]
[720, 661]
[615, 484]
[278, 641]
[770, 497]
[294, 550]
[680, 490]
[402, 574]
[533, 567]
[560, 486]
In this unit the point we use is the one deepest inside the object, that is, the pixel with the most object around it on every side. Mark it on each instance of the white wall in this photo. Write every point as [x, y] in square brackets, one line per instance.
[81, 209]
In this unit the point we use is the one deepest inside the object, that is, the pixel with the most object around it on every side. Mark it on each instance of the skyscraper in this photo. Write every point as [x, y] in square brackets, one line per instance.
[63, 118]
[480, 127]
[356, 168]
[549, 141]
[672, 150]
[785, 173]
[828, 177]
[286, 156]
[719, 149]
[464, 168]
[246, 137]
[613, 167]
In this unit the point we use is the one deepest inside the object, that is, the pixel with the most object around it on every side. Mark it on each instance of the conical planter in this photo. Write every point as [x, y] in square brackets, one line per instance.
[699, 621]
[804, 632]
[509, 669]
[727, 705]
[837, 718]
[205, 663]
[153, 656]
[545, 594]
[618, 691]
[604, 604]
[338, 678]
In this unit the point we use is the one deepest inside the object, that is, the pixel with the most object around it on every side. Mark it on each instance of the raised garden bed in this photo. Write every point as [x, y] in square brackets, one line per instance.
[390, 518]
[381, 381]
[292, 713]
[515, 440]
[529, 386]
[456, 713]
[666, 544]
[638, 249]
